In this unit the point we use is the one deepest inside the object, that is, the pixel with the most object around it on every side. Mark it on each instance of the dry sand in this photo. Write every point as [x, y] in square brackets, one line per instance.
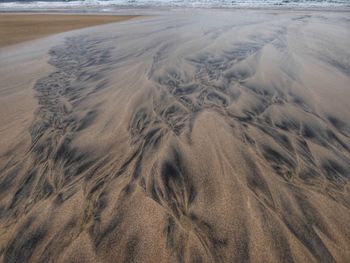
[15, 28]
[207, 136]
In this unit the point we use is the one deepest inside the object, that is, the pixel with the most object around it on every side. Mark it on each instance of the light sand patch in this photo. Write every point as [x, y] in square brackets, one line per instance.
[23, 27]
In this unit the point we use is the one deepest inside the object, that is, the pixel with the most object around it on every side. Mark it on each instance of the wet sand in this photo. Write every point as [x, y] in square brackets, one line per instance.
[16, 28]
[203, 136]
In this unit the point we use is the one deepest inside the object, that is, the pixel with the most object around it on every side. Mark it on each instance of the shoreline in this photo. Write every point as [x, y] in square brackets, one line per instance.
[21, 27]
[116, 8]
[139, 11]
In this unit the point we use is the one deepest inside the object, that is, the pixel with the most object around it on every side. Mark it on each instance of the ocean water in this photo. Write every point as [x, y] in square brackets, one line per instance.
[174, 3]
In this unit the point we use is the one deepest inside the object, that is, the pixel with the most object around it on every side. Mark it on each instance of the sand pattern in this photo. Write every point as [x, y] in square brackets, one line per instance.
[211, 137]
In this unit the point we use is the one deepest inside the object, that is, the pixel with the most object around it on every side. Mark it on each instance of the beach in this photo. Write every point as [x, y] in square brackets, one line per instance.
[199, 135]
[16, 28]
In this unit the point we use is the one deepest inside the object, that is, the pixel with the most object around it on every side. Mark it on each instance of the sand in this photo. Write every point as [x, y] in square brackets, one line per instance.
[16, 28]
[203, 136]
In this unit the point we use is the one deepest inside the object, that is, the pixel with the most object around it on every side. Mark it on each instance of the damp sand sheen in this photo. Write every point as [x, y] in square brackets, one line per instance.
[202, 136]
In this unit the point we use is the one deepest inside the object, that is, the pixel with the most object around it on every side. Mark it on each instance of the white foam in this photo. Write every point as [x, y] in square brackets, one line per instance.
[175, 3]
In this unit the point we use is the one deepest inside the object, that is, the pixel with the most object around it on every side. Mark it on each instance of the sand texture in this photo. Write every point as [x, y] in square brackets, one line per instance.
[202, 136]
[18, 27]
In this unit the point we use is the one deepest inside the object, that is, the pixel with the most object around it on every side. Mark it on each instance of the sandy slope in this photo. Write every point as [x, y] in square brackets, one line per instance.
[208, 136]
